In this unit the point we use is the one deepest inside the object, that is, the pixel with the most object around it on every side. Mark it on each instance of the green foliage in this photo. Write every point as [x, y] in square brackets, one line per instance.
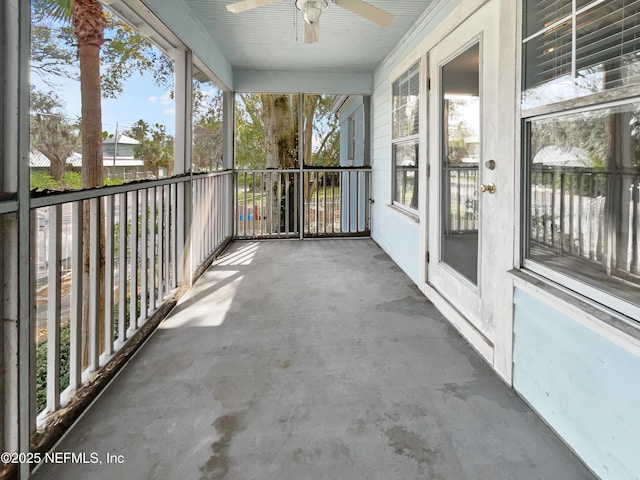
[259, 116]
[41, 369]
[42, 181]
[155, 148]
[51, 133]
[250, 150]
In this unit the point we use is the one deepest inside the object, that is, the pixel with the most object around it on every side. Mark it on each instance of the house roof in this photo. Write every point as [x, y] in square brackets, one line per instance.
[562, 157]
[39, 159]
[122, 139]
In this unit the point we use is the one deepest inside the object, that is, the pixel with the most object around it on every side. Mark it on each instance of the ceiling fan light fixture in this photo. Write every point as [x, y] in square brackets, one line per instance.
[311, 9]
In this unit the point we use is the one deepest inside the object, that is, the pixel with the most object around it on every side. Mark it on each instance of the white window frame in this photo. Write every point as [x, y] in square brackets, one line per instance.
[405, 139]
[624, 309]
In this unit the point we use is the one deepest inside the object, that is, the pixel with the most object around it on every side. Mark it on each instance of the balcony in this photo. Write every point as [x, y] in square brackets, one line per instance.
[315, 359]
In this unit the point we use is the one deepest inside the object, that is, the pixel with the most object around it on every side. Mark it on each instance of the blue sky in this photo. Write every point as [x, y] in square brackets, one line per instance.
[141, 98]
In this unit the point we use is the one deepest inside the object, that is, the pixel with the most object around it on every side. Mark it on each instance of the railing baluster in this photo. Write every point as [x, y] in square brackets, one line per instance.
[108, 275]
[167, 238]
[174, 237]
[357, 201]
[75, 320]
[133, 282]
[152, 250]
[53, 308]
[94, 282]
[144, 254]
[122, 268]
[160, 242]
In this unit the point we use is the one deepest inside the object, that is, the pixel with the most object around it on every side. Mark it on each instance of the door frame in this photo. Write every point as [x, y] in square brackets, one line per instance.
[471, 305]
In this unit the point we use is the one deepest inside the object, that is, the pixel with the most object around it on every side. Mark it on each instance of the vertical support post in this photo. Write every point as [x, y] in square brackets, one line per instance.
[182, 160]
[301, 160]
[15, 81]
[228, 159]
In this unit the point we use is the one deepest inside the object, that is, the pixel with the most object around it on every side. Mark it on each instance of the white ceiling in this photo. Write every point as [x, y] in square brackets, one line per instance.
[267, 38]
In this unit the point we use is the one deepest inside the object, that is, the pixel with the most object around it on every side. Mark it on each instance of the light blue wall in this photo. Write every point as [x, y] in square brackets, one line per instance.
[353, 184]
[586, 387]
[396, 233]
[267, 81]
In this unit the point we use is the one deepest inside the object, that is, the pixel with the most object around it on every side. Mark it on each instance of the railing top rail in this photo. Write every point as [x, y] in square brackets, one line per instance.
[474, 166]
[339, 168]
[48, 198]
[585, 170]
[215, 173]
[8, 207]
[365, 168]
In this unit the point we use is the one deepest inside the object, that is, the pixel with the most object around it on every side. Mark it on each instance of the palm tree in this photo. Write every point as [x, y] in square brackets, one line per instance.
[87, 18]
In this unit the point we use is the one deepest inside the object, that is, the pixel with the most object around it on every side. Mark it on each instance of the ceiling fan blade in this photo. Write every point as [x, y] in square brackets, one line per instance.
[366, 11]
[311, 32]
[248, 5]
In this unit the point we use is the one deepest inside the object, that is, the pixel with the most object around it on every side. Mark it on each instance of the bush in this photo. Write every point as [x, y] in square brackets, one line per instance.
[41, 363]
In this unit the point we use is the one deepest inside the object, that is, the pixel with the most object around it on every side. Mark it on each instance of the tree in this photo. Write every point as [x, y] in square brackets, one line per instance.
[267, 137]
[207, 126]
[124, 53]
[88, 20]
[51, 133]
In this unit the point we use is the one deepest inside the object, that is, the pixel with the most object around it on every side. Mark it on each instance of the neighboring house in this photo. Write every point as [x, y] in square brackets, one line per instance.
[119, 158]
[39, 162]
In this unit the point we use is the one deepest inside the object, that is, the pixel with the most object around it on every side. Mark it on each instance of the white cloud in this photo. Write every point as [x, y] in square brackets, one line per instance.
[170, 111]
[152, 99]
[166, 98]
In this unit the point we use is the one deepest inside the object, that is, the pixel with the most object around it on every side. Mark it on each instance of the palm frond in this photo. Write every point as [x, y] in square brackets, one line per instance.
[60, 9]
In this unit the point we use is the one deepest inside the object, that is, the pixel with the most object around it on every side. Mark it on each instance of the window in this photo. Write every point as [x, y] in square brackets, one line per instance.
[583, 166]
[405, 141]
[570, 53]
[351, 130]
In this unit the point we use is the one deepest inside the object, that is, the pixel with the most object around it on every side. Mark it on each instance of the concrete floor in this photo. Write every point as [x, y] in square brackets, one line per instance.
[310, 360]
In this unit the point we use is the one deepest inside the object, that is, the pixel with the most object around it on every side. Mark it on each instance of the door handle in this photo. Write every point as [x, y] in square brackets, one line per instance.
[490, 188]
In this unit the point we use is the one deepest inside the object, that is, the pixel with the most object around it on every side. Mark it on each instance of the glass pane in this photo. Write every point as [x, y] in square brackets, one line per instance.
[608, 46]
[548, 59]
[607, 53]
[405, 104]
[405, 157]
[460, 160]
[207, 118]
[584, 211]
[540, 14]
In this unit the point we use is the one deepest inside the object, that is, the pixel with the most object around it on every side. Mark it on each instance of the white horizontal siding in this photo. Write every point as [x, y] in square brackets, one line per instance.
[396, 233]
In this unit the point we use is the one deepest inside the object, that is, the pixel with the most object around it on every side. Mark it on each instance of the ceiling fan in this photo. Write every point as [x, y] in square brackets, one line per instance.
[312, 9]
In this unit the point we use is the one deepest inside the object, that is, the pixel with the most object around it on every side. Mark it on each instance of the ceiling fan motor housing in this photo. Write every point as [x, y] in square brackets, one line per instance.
[311, 9]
